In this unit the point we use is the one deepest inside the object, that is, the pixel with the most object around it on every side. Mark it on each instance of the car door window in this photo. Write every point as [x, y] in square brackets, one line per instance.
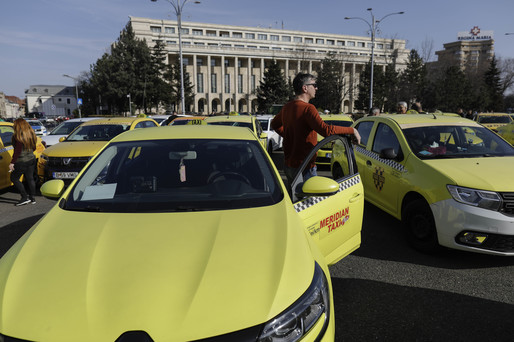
[364, 129]
[385, 138]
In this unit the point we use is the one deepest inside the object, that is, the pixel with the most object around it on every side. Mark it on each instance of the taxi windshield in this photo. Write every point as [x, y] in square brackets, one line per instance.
[456, 142]
[493, 119]
[176, 175]
[97, 132]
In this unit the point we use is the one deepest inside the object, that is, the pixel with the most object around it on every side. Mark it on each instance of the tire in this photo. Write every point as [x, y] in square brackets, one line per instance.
[420, 226]
[270, 148]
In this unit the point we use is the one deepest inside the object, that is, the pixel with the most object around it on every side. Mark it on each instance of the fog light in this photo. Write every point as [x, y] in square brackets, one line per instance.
[473, 239]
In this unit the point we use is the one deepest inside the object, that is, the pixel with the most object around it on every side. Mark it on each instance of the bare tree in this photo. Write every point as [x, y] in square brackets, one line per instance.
[506, 67]
[426, 49]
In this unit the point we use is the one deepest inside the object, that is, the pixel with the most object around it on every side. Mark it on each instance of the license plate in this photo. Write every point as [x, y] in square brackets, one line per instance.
[65, 175]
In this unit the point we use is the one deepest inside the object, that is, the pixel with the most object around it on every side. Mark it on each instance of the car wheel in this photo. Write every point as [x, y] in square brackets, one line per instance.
[420, 226]
[337, 171]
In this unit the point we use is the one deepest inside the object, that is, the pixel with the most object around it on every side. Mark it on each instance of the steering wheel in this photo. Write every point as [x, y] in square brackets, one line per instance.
[215, 176]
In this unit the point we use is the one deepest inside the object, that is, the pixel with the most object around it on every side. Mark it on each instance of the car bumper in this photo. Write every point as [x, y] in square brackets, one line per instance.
[464, 227]
[324, 157]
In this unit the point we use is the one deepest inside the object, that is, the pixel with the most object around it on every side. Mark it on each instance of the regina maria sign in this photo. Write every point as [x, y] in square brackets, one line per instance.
[475, 34]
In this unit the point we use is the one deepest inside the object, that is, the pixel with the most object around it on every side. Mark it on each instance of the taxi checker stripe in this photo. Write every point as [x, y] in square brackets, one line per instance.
[308, 202]
[388, 162]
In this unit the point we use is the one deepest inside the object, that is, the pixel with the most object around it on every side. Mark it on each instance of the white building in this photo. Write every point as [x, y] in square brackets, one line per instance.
[53, 100]
[226, 63]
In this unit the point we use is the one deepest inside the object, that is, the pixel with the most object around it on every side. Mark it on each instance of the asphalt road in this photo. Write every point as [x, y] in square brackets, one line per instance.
[384, 291]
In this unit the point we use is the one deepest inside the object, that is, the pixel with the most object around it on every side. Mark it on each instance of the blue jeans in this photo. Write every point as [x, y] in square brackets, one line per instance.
[307, 173]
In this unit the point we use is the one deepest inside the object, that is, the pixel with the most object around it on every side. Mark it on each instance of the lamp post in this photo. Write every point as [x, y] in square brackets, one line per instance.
[130, 104]
[178, 5]
[373, 27]
[76, 91]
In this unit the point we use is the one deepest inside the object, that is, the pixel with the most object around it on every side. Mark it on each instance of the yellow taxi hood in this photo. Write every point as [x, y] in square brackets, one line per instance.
[178, 276]
[485, 173]
[75, 148]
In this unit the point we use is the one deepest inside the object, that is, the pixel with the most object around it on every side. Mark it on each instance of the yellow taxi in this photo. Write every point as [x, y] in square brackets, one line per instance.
[493, 121]
[248, 121]
[448, 179]
[7, 151]
[66, 159]
[507, 132]
[325, 153]
[182, 233]
[188, 120]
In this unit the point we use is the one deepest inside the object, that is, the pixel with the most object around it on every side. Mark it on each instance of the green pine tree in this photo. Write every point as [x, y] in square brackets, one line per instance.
[273, 88]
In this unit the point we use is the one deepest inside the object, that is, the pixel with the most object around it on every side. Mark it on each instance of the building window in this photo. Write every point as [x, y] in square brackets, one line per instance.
[360, 44]
[297, 39]
[330, 42]
[224, 34]
[273, 37]
[264, 47]
[213, 62]
[197, 32]
[276, 48]
[240, 83]
[210, 33]
[370, 45]
[239, 63]
[250, 35]
[227, 63]
[380, 46]
[252, 81]
[286, 38]
[214, 87]
[199, 82]
[185, 31]
[171, 42]
[239, 46]
[320, 41]
[262, 36]
[227, 83]
[309, 41]
[68, 101]
[237, 35]
[169, 30]
[186, 43]
[199, 61]
[351, 43]
[340, 42]
[252, 47]
[199, 43]
[185, 60]
[155, 29]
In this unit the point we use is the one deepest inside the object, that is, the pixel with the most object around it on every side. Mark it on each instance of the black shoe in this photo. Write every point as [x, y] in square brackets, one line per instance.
[32, 201]
[22, 202]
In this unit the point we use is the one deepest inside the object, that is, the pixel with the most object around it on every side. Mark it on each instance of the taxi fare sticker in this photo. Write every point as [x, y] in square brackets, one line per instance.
[378, 178]
[335, 221]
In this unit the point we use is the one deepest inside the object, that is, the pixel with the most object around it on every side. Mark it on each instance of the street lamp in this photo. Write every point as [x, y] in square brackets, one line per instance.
[76, 91]
[178, 5]
[373, 27]
[130, 104]
[509, 33]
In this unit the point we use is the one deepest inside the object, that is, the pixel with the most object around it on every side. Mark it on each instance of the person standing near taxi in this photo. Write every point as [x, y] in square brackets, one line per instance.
[298, 123]
[23, 160]
[401, 108]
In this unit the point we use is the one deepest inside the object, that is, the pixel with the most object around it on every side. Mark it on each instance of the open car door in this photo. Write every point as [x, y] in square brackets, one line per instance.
[332, 218]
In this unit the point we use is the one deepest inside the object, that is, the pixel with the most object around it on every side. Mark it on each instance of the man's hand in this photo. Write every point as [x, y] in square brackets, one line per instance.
[11, 167]
[356, 139]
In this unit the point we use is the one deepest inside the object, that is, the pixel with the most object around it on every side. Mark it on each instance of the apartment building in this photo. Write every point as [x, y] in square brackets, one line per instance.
[53, 100]
[226, 63]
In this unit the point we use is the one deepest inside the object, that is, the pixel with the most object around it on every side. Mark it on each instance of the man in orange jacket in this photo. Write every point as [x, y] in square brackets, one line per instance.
[298, 122]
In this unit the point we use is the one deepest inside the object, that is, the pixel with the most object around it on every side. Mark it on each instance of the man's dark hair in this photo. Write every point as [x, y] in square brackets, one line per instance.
[299, 80]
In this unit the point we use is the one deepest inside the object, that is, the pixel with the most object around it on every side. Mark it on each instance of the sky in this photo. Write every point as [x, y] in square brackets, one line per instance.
[40, 40]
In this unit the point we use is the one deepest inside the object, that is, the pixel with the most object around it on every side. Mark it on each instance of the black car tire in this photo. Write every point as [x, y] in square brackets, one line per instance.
[419, 226]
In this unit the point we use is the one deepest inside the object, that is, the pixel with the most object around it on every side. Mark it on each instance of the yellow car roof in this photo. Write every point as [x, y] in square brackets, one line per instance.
[493, 114]
[336, 117]
[420, 120]
[117, 121]
[230, 118]
[186, 132]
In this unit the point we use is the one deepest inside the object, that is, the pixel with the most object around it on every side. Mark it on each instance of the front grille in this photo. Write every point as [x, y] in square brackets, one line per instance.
[508, 203]
[67, 163]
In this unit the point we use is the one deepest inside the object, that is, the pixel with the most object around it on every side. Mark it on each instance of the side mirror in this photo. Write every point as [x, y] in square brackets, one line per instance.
[61, 139]
[53, 189]
[318, 186]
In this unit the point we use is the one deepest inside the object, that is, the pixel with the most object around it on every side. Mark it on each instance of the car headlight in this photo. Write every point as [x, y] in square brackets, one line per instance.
[292, 324]
[478, 198]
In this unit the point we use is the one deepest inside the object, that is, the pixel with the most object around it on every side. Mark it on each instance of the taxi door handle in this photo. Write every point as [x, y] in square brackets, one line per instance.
[355, 198]
[368, 163]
